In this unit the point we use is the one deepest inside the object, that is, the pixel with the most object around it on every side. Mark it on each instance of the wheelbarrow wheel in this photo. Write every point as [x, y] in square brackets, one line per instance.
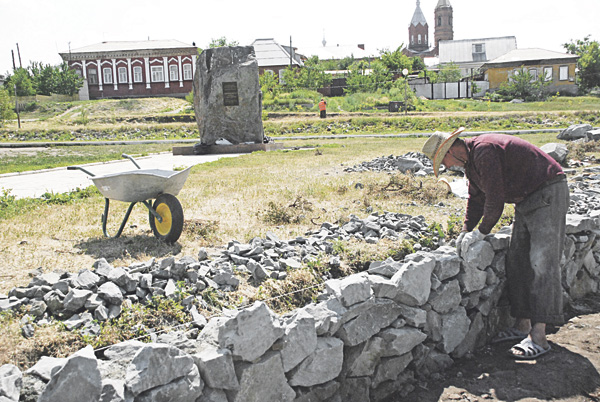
[169, 209]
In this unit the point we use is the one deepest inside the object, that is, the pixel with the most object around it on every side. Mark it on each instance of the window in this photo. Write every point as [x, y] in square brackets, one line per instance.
[439, 21]
[547, 73]
[419, 39]
[563, 73]
[107, 75]
[412, 39]
[137, 74]
[157, 73]
[187, 72]
[122, 75]
[173, 73]
[92, 76]
[478, 50]
[534, 74]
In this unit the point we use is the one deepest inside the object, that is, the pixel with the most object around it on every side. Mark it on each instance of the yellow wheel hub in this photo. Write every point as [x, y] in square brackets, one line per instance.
[164, 227]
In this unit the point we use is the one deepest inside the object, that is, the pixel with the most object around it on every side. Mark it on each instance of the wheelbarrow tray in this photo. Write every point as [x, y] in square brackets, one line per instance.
[140, 185]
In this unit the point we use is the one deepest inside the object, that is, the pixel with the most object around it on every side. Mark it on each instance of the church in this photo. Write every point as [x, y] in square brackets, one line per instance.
[418, 30]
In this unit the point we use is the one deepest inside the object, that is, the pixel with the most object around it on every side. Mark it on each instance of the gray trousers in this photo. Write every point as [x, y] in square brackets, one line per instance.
[533, 259]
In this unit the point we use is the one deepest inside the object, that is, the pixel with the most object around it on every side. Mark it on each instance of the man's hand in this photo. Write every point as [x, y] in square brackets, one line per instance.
[473, 237]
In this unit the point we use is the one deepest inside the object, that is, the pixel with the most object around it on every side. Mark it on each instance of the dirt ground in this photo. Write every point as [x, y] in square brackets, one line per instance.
[568, 373]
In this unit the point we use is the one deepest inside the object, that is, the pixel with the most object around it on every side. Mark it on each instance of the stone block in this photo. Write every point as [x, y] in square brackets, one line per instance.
[262, 381]
[323, 365]
[227, 98]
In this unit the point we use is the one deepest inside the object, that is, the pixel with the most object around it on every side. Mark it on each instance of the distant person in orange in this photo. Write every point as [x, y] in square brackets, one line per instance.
[323, 108]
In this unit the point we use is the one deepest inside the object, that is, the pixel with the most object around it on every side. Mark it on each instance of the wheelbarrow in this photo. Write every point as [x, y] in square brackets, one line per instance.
[143, 185]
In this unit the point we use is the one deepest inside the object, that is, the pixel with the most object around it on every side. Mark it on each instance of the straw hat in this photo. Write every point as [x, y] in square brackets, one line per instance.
[437, 145]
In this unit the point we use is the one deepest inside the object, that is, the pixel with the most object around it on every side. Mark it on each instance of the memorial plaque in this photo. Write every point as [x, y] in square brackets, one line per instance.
[230, 94]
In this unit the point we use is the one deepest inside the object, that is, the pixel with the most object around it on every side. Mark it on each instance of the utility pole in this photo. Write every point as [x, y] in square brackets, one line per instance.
[291, 50]
[13, 57]
[19, 53]
[17, 106]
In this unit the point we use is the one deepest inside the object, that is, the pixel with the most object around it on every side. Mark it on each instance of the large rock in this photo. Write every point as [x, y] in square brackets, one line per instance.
[558, 152]
[413, 281]
[248, 333]
[299, 341]
[323, 365]
[366, 319]
[79, 376]
[327, 315]
[11, 380]
[446, 298]
[455, 326]
[350, 290]
[574, 132]
[227, 97]
[262, 381]
[157, 365]
[216, 367]
[399, 341]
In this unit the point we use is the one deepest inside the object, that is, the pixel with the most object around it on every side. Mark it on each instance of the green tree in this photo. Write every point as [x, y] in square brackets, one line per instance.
[269, 83]
[311, 76]
[449, 73]
[523, 85]
[358, 79]
[67, 82]
[6, 107]
[588, 62]
[396, 61]
[22, 80]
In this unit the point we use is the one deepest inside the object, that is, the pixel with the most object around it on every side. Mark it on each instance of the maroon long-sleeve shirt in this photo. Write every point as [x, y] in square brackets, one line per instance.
[502, 169]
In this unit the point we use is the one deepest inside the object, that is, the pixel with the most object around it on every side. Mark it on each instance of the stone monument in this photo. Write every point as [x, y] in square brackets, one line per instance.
[227, 97]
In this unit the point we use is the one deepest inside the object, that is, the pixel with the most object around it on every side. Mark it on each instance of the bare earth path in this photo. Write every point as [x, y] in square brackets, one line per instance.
[568, 373]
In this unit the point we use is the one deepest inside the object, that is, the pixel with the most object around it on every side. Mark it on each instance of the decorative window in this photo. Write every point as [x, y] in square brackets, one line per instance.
[173, 72]
[187, 72]
[107, 75]
[122, 75]
[439, 21]
[548, 74]
[563, 73]
[137, 74]
[419, 38]
[534, 74]
[412, 39]
[157, 73]
[92, 76]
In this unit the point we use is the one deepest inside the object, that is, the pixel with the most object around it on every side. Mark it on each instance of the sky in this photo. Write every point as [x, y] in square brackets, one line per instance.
[43, 28]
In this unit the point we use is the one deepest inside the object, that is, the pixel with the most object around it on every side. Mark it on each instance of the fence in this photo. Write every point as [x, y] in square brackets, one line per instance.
[450, 90]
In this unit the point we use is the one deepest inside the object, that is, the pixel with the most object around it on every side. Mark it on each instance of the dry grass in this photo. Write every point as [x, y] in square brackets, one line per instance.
[223, 200]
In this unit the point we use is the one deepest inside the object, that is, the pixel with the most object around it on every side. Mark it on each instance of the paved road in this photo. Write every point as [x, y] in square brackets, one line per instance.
[61, 180]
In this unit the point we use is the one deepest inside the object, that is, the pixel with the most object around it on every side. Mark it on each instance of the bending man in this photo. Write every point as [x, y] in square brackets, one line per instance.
[504, 169]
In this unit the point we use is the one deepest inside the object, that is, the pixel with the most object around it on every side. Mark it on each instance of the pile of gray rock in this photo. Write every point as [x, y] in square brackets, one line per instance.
[368, 336]
[414, 162]
[83, 300]
[584, 190]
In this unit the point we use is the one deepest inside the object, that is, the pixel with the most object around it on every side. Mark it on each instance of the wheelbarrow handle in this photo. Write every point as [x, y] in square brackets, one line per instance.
[131, 159]
[82, 169]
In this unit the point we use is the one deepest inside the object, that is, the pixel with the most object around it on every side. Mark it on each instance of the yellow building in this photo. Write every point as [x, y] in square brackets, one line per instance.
[558, 68]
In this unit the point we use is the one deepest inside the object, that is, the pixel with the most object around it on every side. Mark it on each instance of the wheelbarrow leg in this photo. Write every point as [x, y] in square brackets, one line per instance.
[105, 218]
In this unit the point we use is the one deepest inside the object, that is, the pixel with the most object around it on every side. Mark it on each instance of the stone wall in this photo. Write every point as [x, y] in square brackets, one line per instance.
[370, 335]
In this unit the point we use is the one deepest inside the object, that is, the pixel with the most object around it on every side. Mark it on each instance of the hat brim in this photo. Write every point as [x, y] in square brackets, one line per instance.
[443, 150]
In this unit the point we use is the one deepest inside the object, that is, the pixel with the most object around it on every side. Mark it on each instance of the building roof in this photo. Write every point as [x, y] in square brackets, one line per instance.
[461, 51]
[443, 3]
[120, 46]
[418, 17]
[338, 52]
[533, 54]
[270, 53]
